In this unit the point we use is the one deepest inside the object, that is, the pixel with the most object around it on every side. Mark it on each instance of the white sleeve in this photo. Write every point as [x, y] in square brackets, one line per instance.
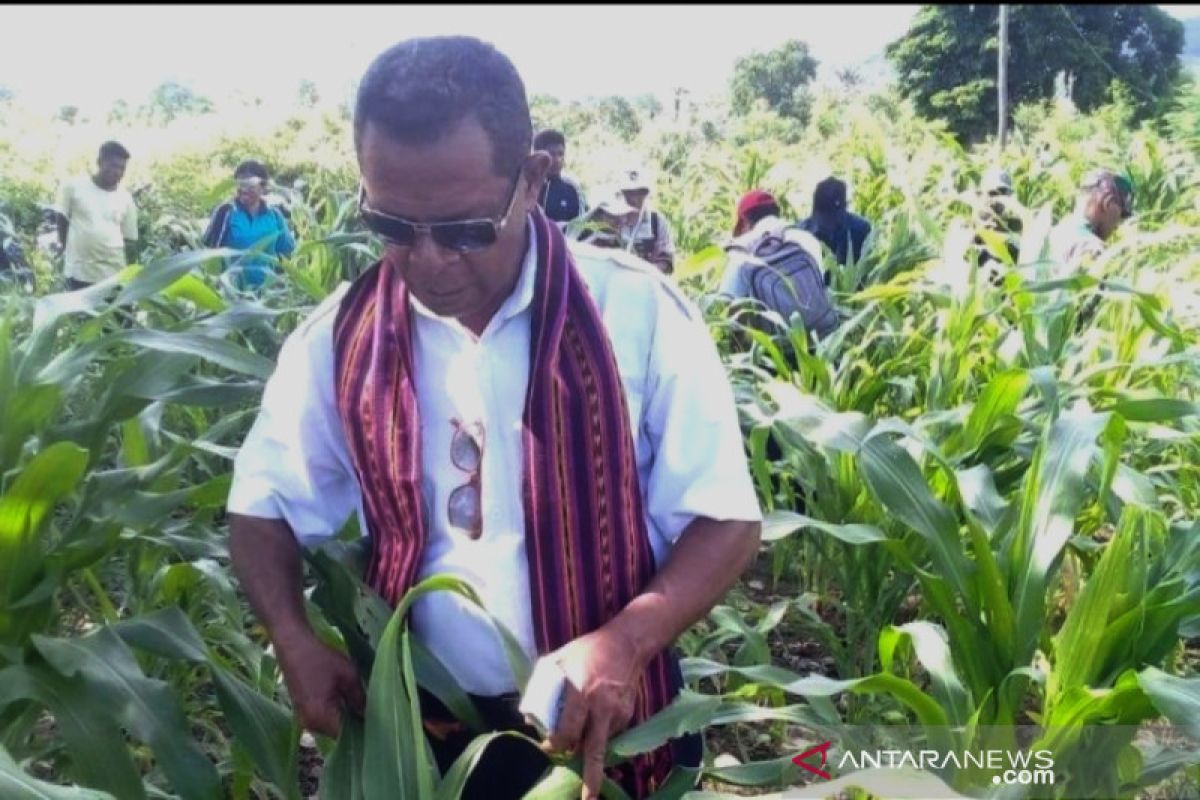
[733, 281]
[129, 221]
[294, 464]
[699, 462]
[62, 203]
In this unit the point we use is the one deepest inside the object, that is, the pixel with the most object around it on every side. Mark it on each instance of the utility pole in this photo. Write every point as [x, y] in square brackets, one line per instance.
[1002, 77]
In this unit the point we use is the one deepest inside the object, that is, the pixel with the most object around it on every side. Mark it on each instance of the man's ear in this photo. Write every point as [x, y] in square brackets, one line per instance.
[537, 167]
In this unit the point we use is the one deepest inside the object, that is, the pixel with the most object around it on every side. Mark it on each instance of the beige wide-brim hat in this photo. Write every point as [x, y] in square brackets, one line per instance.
[633, 180]
[616, 206]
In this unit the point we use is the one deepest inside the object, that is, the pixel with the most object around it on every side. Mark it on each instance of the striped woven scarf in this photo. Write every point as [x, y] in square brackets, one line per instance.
[586, 539]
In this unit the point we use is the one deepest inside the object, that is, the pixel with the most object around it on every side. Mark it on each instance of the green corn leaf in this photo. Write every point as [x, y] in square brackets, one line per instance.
[264, 728]
[392, 756]
[781, 524]
[933, 652]
[342, 777]
[146, 707]
[15, 784]
[1178, 699]
[1052, 496]
[997, 403]
[99, 757]
[1078, 643]
[52, 475]
[895, 480]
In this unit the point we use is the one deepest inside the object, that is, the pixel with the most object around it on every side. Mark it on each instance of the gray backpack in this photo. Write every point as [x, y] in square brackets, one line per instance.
[785, 278]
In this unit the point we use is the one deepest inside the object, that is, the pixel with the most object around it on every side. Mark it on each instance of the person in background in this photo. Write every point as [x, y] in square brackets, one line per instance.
[602, 225]
[248, 221]
[997, 214]
[646, 233]
[834, 225]
[755, 205]
[561, 198]
[1105, 201]
[97, 221]
[778, 264]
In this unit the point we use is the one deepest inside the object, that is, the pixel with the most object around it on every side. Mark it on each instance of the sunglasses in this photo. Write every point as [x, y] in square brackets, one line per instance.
[461, 236]
[464, 507]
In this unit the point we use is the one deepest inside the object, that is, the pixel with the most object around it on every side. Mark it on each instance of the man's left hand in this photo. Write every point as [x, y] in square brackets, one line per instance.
[602, 670]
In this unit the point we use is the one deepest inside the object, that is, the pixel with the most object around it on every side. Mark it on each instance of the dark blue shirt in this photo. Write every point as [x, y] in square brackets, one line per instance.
[561, 200]
[846, 236]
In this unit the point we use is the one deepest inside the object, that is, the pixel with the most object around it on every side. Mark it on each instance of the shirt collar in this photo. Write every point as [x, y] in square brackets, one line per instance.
[516, 303]
[262, 208]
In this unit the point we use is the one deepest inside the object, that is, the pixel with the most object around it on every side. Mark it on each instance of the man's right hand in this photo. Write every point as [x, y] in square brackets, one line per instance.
[321, 682]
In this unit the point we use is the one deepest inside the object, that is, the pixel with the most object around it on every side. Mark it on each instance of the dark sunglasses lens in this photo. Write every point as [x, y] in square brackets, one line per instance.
[464, 451]
[465, 236]
[390, 230]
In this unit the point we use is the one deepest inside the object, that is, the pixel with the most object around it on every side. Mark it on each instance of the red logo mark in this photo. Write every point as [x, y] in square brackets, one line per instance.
[823, 749]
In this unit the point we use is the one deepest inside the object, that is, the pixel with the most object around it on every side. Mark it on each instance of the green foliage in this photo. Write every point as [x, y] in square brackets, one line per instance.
[982, 496]
[779, 77]
[947, 60]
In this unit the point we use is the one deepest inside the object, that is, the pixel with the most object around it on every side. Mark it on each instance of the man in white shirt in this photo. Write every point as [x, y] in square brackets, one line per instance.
[97, 221]
[1105, 201]
[551, 424]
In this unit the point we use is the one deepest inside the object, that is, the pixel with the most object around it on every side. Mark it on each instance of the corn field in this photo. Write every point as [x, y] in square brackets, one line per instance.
[982, 497]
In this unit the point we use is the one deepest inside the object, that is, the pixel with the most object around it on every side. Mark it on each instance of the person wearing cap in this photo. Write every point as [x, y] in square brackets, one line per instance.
[833, 225]
[754, 206]
[1104, 202]
[602, 225]
[250, 222]
[998, 215]
[561, 198]
[758, 217]
[646, 232]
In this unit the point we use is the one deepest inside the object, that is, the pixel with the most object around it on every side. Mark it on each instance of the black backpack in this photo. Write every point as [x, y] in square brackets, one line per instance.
[786, 279]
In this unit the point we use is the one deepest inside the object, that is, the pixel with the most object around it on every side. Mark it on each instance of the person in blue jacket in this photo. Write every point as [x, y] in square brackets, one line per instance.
[250, 222]
[834, 225]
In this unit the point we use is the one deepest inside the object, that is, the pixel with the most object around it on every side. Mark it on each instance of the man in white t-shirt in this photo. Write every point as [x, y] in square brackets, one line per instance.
[97, 221]
[549, 422]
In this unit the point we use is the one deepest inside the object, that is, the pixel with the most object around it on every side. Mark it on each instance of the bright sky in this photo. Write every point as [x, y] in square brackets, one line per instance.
[90, 55]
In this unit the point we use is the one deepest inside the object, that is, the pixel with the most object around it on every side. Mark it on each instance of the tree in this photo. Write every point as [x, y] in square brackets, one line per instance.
[648, 105]
[619, 115]
[68, 114]
[307, 94]
[120, 113]
[947, 61]
[171, 100]
[850, 78]
[780, 77]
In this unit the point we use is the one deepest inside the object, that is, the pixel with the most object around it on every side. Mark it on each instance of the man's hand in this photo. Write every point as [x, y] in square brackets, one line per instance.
[602, 670]
[602, 667]
[321, 682]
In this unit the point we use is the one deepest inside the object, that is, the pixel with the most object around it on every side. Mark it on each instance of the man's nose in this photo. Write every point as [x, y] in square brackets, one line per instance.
[426, 255]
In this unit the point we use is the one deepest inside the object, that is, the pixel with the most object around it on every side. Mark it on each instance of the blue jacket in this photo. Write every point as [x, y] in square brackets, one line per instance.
[843, 238]
[233, 226]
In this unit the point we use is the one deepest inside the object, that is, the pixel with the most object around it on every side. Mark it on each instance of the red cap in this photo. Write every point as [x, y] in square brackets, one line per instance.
[755, 198]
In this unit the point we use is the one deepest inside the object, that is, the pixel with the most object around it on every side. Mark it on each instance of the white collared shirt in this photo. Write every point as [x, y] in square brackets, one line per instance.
[295, 465]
